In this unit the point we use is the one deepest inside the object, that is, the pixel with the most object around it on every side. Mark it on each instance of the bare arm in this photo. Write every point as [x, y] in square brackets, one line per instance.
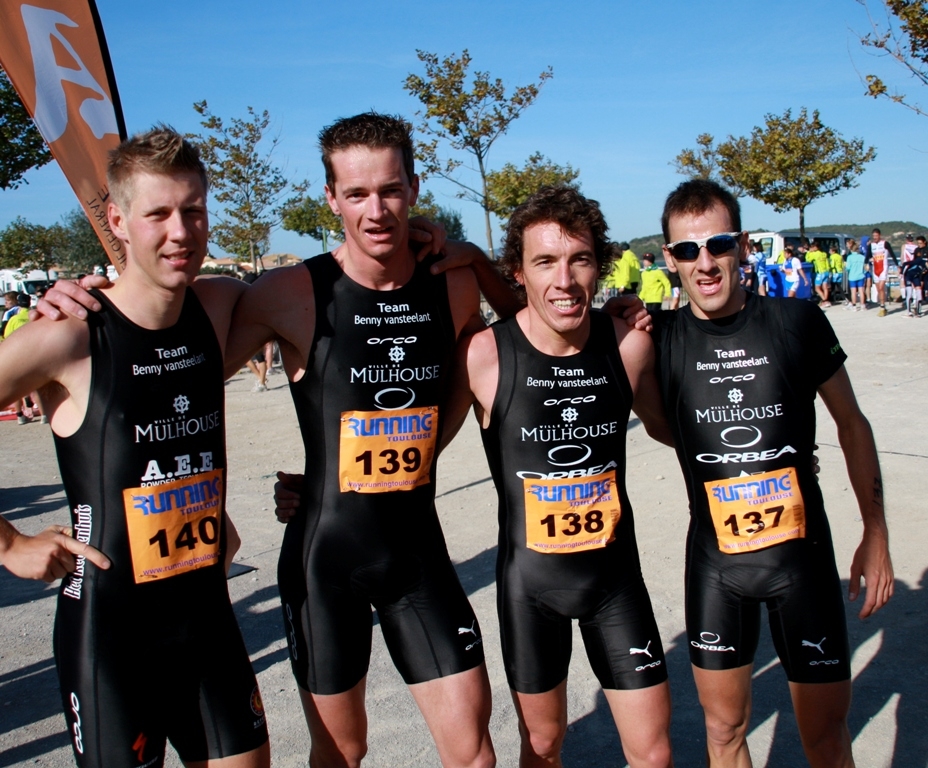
[637, 352]
[46, 556]
[871, 560]
[501, 297]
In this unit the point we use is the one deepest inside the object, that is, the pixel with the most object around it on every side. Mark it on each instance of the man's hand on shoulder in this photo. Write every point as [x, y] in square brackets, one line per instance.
[429, 235]
[631, 309]
[70, 297]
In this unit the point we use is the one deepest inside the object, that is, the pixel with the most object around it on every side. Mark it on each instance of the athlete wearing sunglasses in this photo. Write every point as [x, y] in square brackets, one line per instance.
[688, 250]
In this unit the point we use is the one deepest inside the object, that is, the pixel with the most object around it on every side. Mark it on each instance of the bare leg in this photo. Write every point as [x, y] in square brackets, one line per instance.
[542, 725]
[456, 709]
[643, 719]
[821, 713]
[725, 696]
[257, 758]
[337, 727]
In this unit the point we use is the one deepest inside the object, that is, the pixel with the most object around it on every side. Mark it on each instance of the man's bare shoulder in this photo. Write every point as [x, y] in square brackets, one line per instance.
[218, 293]
[46, 349]
[480, 349]
[635, 347]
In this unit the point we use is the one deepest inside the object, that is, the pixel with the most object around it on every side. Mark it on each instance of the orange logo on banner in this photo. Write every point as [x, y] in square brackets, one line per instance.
[382, 451]
[174, 527]
[756, 511]
[55, 55]
[571, 515]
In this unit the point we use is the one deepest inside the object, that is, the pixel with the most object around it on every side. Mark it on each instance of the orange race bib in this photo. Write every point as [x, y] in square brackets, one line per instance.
[571, 515]
[756, 511]
[175, 527]
[381, 451]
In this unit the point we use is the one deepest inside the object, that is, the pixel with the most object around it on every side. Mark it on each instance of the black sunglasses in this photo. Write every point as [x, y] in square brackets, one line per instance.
[688, 250]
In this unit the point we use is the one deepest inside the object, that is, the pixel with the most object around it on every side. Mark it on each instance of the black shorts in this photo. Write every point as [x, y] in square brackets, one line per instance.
[618, 629]
[127, 687]
[799, 583]
[428, 624]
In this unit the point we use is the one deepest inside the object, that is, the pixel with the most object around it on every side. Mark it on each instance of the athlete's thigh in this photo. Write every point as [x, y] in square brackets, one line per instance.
[431, 630]
[622, 640]
[327, 625]
[808, 623]
[112, 694]
[722, 625]
[536, 643]
[221, 714]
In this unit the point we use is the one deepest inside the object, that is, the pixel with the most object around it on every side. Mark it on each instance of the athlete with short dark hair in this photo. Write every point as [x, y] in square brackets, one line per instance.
[739, 376]
[146, 643]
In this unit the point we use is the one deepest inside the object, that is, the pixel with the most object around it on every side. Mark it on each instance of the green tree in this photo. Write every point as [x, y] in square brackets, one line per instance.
[25, 246]
[79, 251]
[244, 181]
[312, 216]
[467, 113]
[509, 187]
[703, 162]
[21, 145]
[427, 207]
[904, 39]
[789, 163]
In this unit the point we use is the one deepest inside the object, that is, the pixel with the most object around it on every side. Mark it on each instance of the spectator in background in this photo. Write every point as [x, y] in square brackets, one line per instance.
[821, 265]
[836, 261]
[879, 252]
[10, 308]
[913, 277]
[758, 259]
[654, 284]
[793, 274]
[629, 271]
[856, 281]
[21, 317]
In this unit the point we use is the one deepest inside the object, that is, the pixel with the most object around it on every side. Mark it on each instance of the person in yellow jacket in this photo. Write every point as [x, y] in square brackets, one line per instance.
[629, 270]
[822, 265]
[654, 284]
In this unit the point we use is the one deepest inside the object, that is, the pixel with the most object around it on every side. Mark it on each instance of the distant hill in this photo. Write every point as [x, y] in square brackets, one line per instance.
[894, 231]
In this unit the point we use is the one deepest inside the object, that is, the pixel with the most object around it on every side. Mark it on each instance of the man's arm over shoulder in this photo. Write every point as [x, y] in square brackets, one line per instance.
[637, 352]
[871, 560]
[218, 296]
[464, 298]
[473, 382]
[40, 353]
[498, 293]
[280, 305]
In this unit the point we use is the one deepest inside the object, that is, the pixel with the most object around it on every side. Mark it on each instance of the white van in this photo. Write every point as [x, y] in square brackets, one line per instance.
[15, 280]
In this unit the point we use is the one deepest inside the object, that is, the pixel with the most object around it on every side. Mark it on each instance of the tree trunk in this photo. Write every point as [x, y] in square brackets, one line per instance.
[486, 206]
[802, 222]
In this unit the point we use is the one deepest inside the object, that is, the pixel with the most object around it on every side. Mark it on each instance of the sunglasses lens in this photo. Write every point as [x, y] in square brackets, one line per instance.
[685, 251]
[721, 244]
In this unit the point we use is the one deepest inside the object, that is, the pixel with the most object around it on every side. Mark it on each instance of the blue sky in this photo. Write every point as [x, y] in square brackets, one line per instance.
[634, 83]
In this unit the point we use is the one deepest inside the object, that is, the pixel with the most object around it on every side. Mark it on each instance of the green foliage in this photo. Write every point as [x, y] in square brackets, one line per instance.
[26, 246]
[79, 251]
[468, 113]
[699, 163]
[509, 187]
[789, 163]
[243, 180]
[312, 216]
[21, 145]
[427, 207]
[904, 39]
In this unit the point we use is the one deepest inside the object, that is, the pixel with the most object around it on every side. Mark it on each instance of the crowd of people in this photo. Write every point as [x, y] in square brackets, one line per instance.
[386, 352]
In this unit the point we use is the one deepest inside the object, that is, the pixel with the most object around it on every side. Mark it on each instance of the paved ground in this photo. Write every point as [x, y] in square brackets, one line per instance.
[889, 368]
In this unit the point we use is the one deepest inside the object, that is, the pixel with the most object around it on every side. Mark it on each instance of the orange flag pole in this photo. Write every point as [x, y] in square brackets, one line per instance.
[55, 54]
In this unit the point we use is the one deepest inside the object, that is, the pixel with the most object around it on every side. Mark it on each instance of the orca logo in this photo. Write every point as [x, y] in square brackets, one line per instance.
[570, 400]
[392, 398]
[753, 437]
[739, 377]
[398, 340]
[554, 454]
[76, 728]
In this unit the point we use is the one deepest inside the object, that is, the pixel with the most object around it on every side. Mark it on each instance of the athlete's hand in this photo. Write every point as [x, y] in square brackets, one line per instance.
[70, 297]
[630, 308]
[871, 560]
[431, 233]
[816, 468]
[458, 253]
[48, 555]
[287, 496]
